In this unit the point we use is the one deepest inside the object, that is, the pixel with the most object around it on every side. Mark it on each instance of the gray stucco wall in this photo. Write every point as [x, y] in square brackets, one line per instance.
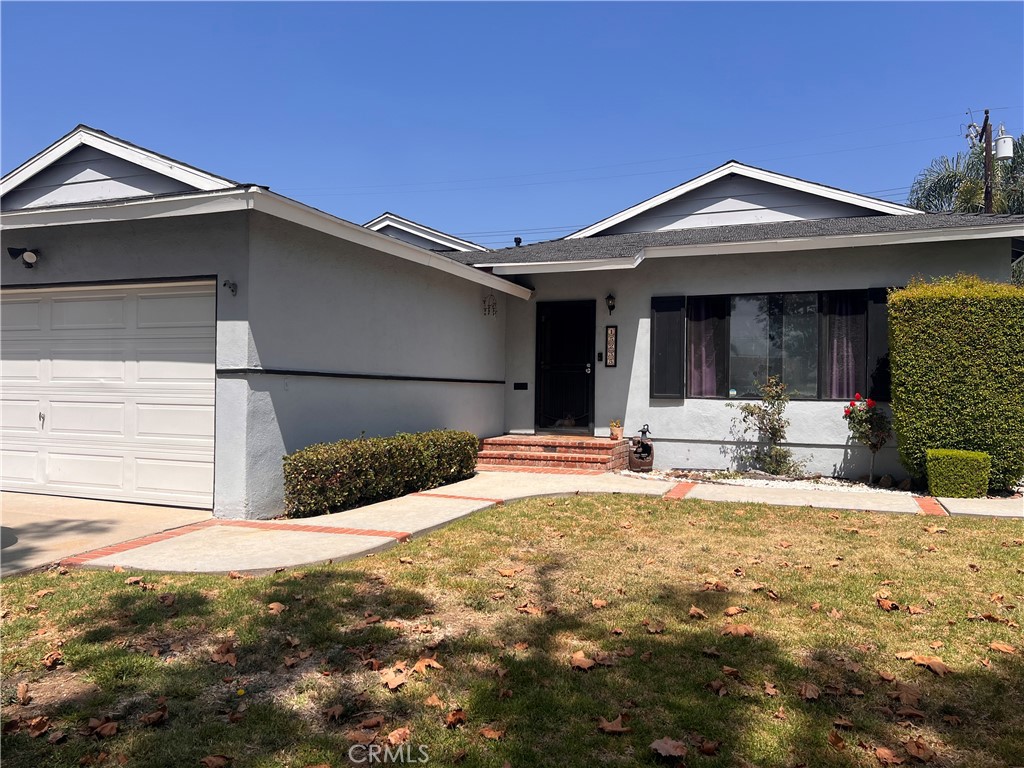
[696, 432]
[319, 304]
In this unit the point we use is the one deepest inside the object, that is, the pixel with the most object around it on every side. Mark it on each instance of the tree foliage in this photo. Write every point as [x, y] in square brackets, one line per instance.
[957, 183]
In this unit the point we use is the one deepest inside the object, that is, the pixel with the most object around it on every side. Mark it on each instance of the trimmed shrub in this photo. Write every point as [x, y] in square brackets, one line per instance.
[958, 474]
[957, 353]
[331, 477]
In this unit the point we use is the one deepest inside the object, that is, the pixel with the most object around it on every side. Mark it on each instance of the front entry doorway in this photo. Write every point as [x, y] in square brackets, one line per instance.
[565, 367]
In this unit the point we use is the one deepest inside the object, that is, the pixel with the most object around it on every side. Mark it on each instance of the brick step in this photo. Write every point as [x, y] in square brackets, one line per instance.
[597, 447]
[540, 459]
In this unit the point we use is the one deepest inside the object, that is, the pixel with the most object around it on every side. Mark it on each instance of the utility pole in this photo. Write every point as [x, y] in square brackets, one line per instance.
[986, 128]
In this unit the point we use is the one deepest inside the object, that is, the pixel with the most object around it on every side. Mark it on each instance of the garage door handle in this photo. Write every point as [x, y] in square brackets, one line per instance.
[42, 419]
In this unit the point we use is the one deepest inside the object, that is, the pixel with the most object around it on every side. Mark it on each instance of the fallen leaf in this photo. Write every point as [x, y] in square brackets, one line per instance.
[405, 560]
[808, 691]
[157, 716]
[105, 728]
[455, 718]
[738, 630]
[886, 604]
[371, 722]
[667, 747]
[917, 748]
[23, 695]
[434, 701]
[909, 712]
[613, 727]
[697, 613]
[780, 714]
[785, 544]
[887, 757]
[236, 575]
[734, 610]
[276, 609]
[491, 733]
[37, 726]
[56, 737]
[580, 661]
[836, 741]
[399, 736]
[529, 609]
[718, 687]
[995, 645]
[394, 677]
[425, 663]
[730, 672]
[842, 722]
[333, 714]
[53, 659]
[709, 747]
[952, 719]
[216, 761]
[934, 663]
[770, 689]
[508, 573]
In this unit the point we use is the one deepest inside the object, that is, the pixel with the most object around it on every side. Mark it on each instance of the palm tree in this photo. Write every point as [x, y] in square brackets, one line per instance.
[957, 183]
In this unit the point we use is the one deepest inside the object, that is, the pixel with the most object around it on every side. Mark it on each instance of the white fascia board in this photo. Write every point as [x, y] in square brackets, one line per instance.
[84, 137]
[428, 233]
[589, 265]
[740, 169]
[304, 215]
[127, 210]
[836, 241]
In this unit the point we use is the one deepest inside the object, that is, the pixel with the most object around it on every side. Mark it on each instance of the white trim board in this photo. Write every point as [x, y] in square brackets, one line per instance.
[252, 198]
[739, 169]
[443, 239]
[90, 137]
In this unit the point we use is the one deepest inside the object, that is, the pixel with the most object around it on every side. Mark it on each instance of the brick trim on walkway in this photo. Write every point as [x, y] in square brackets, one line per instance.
[430, 495]
[680, 490]
[539, 470]
[930, 506]
[269, 525]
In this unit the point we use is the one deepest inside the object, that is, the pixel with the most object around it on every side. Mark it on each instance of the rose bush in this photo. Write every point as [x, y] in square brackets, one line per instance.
[869, 425]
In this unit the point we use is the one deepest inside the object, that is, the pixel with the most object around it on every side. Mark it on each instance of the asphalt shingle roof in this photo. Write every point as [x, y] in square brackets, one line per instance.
[628, 245]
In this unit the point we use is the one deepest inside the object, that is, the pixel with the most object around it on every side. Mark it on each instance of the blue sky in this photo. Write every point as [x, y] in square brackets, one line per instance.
[487, 120]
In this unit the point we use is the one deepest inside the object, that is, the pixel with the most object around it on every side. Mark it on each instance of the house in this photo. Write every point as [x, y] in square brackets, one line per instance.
[178, 332]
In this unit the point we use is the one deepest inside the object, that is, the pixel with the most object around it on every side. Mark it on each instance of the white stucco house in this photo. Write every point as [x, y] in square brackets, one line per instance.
[177, 332]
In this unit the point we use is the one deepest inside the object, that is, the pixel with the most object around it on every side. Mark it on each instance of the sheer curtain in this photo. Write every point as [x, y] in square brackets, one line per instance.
[847, 333]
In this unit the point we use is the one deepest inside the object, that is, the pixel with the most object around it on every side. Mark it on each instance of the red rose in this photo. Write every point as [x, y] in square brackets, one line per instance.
[871, 403]
[846, 411]
[857, 396]
[853, 404]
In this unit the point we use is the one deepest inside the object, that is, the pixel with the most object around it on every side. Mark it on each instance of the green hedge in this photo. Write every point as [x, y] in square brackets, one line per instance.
[331, 477]
[958, 474]
[956, 347]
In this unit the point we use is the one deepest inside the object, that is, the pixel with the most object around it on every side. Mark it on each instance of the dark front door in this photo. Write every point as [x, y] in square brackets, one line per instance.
[565, 366]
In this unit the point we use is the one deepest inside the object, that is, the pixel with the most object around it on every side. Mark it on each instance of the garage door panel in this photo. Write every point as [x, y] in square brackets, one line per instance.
[19, 467]
[101, 420]
[176, 310]
[106, 312]
[21, 315]
[125, 378]
[85, 470]
[162, 420]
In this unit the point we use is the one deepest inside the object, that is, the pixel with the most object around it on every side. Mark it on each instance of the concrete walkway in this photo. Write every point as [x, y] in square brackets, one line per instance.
[219, 546]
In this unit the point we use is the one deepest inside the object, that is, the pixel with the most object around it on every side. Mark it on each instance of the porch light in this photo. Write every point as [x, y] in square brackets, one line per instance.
[610, 301]
[28, 256]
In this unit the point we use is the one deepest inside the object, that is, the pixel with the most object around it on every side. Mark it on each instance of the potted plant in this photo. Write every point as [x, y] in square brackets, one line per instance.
[615, 425]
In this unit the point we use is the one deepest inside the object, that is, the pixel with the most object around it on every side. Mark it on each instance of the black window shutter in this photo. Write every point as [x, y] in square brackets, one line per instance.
[668, 328]
[878, 345]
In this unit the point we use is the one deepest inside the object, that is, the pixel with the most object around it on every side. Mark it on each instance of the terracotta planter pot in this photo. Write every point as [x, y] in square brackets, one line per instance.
[616, 433]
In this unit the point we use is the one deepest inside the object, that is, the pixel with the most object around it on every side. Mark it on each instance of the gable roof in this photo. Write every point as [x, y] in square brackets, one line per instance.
[443, 239]
[627, 251]
[740, 169]
[83, 135]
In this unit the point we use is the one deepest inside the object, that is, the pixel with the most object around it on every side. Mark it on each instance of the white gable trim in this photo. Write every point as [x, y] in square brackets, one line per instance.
[84, 136]
[388, 219]
[252, 198]
[732, 167]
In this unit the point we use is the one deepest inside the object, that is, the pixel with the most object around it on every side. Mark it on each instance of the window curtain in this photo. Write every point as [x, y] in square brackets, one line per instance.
[847, 339]
[707, 361]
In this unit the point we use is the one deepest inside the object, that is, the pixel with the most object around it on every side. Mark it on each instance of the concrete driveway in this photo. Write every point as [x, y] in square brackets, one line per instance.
[37, 530]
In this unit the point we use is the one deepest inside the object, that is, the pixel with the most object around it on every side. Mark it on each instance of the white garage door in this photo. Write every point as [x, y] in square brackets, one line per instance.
[108, 392]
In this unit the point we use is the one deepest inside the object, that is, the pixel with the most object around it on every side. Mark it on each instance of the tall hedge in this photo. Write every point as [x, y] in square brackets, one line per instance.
[956, 348]
[331, 477]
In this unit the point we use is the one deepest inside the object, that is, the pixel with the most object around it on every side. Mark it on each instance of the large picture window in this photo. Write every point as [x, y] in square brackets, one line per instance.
[823, 345]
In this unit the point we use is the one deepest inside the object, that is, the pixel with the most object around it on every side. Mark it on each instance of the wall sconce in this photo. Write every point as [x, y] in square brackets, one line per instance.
[28, 256]
[231, 286]
[490, 305]
[610, 301]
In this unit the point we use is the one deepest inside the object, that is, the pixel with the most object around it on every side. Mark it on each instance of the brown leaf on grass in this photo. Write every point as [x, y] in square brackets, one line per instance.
[887, 757]
[405, 560]
[836, 741]
[842, 722]
[333, 714]
[361, 737]
[907, 694]
[919, 749]
[808, 691]
[598, 603]
[915, 610]
[133, 580]
[290, 661]
[667, 747]
[237, 575]
[434, 701]
[909, 712]
[815, 606]
[614, 727]
[734, 610]
[887, 605]
[974, 567]
[23, 695]
[730, 672]
[708, 747]
[718, 687]
[399, 736]
[604, 659]
[508, 573]
[770, 689]
[53, 659]
[952, 719]
[37, 726]
[579, 660]
[711, 652]
[424, 663]
[835, 613]
[780, 714]
[168, 599]
[455, 718]
[934, 663]
[521, 646]
[491, 733]
[157, 716]
[529, 609]
[224, 654]
[738, 630]
[216, 761]
[276, 609]
[104, 727]
[697, 613]
[995, 645]
[44, 592]
[394, 677]
[715, 586]
[654, 627]
[56, 737]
